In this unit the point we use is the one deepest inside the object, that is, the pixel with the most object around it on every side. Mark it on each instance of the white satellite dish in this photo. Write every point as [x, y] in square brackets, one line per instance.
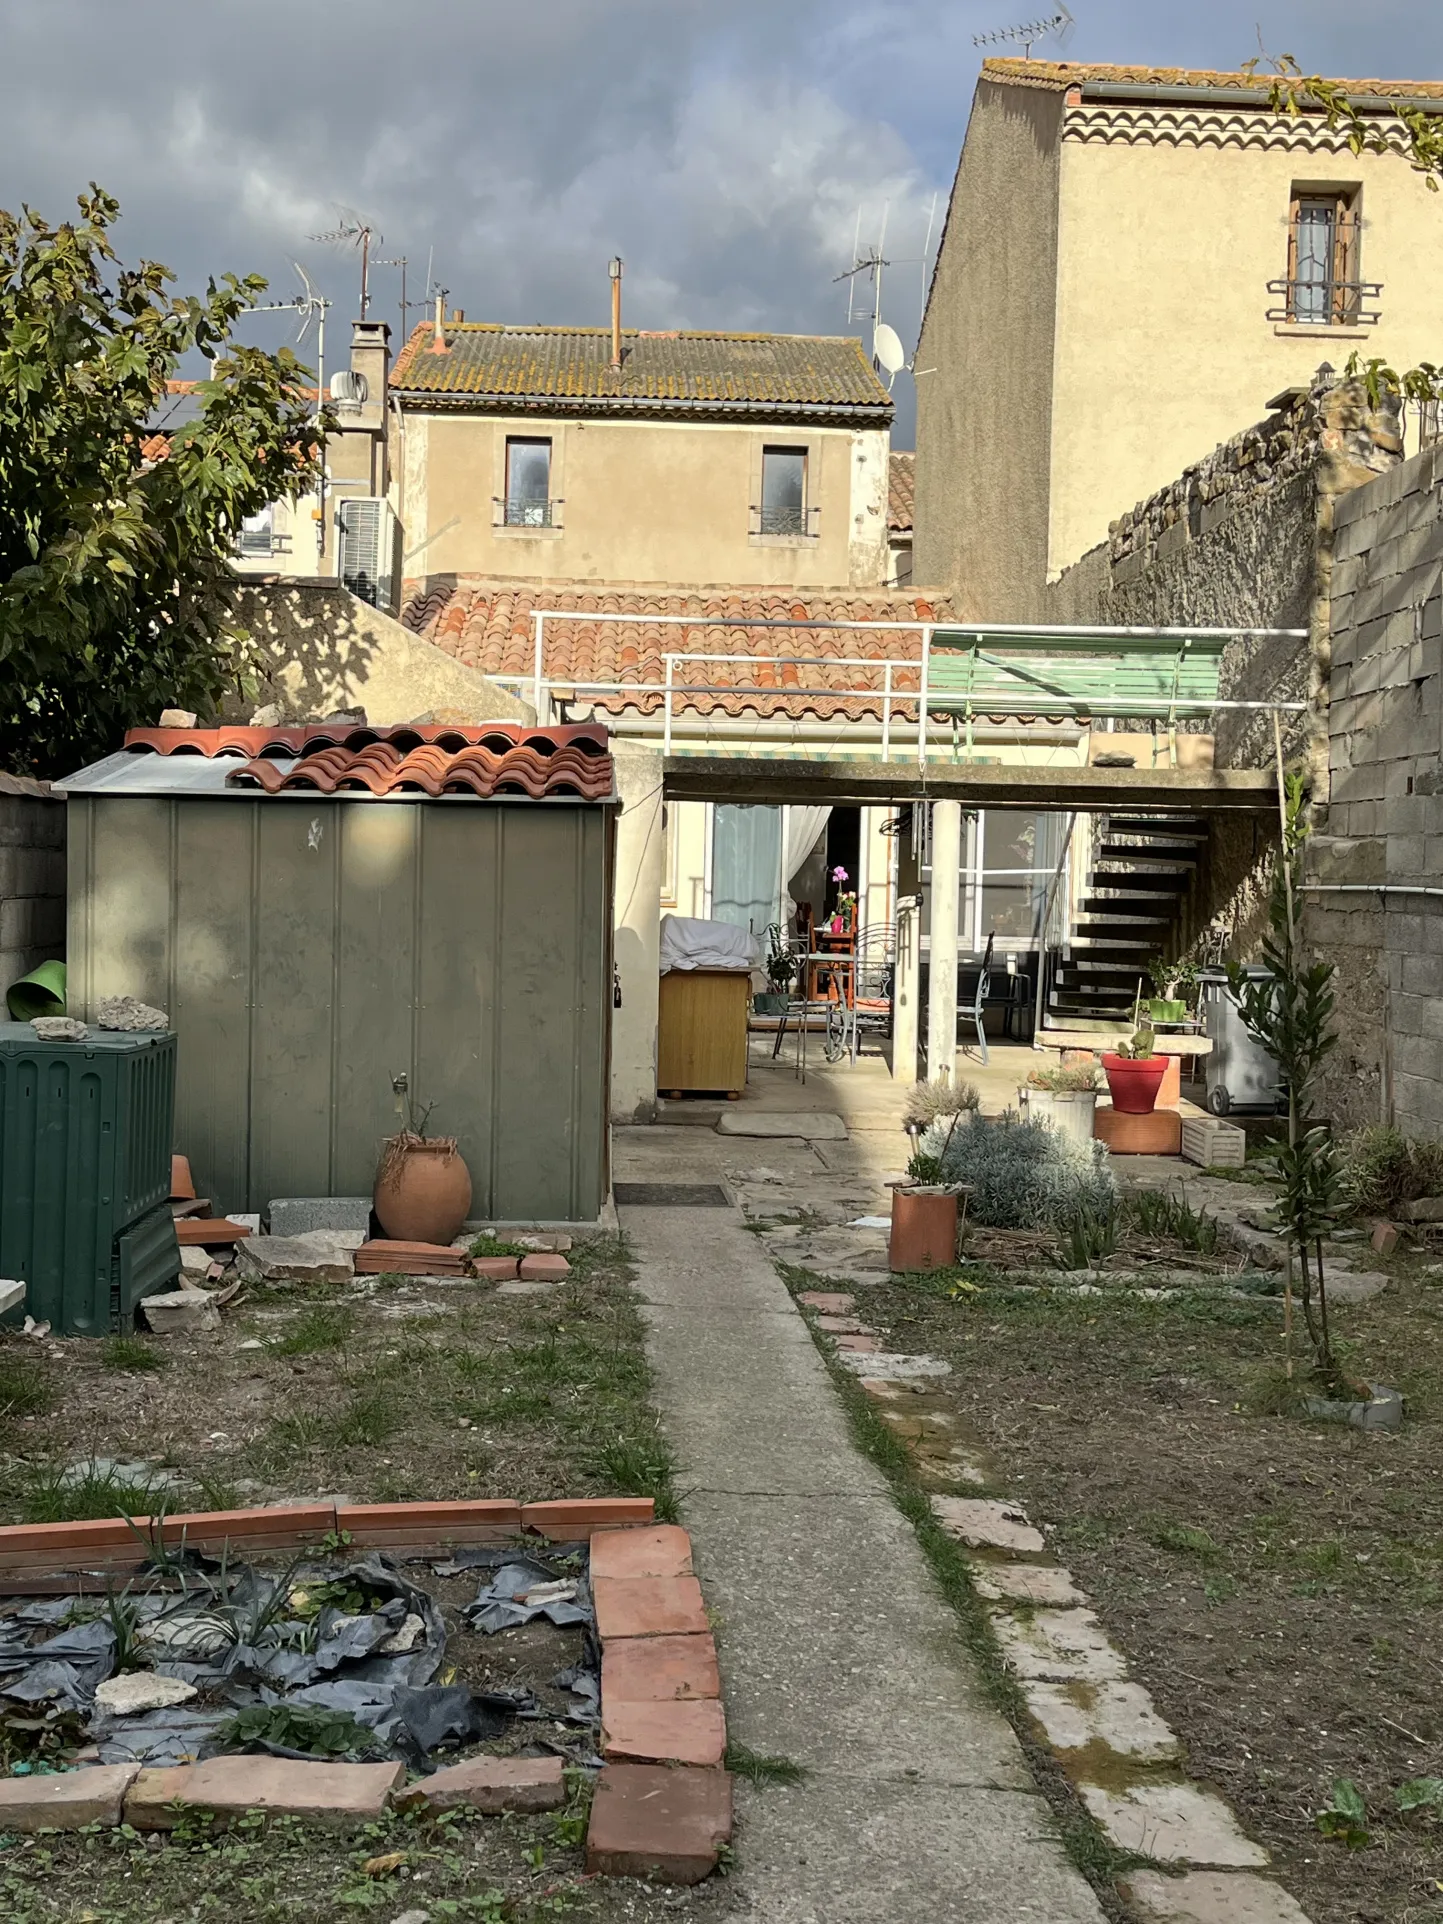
[887, 349]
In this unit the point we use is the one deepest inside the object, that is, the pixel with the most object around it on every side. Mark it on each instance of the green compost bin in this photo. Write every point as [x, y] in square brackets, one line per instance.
[85, 1144]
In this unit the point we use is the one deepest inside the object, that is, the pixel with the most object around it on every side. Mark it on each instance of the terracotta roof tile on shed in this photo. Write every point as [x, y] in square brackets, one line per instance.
[486, 761]
[568, 370]
[488, 625]
[1059, 74]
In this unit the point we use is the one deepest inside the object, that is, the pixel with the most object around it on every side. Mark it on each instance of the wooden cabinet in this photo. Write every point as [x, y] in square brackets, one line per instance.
[702, 1031]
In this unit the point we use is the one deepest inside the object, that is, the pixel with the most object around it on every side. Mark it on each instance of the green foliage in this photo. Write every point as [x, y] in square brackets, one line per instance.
[640, 1466]
[115, 577]
[328, 1326]
[1186, 1539]
[781, 964]
[1024, 1175]
[1381, 1167]
[1140, 1048]
[131, 1353]
[1420, 1793]
[938, 1100]
[310, 1728]
[1418, 134]
[1174, 981]
[1158, 1212]
[51, 1493]
[1345, 1818]
[925, 1169]
[742, 1761]
[1086, 1238]
[1079, 1080]
[494, 1246]
[24, 1386]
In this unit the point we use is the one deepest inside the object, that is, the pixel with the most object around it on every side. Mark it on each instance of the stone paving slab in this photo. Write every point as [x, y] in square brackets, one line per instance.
[66, 1800]
[1058, 1646]
[814, 1125]
[1120, 1715]
[1026, 1583]
[1211, 1897]
[987, 1524]
[1174, 1823]
[882, 1365]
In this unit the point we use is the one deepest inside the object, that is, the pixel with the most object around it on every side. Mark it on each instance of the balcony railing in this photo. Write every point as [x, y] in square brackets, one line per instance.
[1326, 303]
[790, 524]
[256, 542]
[527, 512]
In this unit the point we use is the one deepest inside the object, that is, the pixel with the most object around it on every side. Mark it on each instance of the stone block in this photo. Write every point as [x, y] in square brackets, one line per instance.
[1027, 1583]
[300, 1215]
[316, 1259]
[985, 1524]
[67, 1800]
[1059, 1646]
[1120, 1716]
[664, 1823]
[810, 1125]
[1384, 1239]
[1210, 1897]
[491, 1785]
[643, 1670]
[662, 1551]
[338, 1795]
[1175, 1824]
[649, 1607]
[180, 1312]
[672, 1732]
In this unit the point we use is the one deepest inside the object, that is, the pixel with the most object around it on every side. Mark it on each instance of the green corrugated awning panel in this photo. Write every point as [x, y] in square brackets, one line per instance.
[1092, 674]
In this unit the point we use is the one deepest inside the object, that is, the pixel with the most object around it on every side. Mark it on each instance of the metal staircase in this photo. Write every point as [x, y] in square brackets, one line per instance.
[1143, 867]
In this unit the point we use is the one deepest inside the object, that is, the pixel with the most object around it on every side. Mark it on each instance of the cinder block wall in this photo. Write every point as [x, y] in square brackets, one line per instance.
[32, 877]
[1384, 822]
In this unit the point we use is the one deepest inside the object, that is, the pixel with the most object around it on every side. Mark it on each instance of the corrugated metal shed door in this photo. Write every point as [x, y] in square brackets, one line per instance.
[311, 951]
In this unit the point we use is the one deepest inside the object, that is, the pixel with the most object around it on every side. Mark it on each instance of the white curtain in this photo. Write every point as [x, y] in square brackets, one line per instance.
[804, 825]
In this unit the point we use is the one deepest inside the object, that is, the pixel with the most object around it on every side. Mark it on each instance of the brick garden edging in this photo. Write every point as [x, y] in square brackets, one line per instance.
[663, 1802]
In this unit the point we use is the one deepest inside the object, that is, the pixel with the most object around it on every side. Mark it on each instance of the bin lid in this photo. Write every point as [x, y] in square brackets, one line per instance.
[17, 1036]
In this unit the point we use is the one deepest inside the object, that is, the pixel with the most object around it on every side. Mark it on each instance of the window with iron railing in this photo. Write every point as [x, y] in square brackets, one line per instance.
[1323, 286]
[528, 502]
[784, 509]
[259, 536]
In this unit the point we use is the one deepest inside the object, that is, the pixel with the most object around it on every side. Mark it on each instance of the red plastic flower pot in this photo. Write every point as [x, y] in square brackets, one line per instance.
[924, 1229]
[1134, 1083]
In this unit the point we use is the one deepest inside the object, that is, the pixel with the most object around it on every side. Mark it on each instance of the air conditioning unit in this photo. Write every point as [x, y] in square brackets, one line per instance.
[369, 545]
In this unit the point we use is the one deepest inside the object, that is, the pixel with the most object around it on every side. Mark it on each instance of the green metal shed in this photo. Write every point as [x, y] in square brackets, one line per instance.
[343, 920]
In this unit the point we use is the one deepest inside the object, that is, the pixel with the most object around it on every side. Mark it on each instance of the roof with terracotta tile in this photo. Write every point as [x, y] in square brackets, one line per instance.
[1060, 74]
[488, 625]
[490, 762]
[568, 370]
[901, 491]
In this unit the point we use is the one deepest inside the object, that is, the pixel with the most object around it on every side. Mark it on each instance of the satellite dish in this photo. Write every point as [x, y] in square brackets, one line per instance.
[887, 349]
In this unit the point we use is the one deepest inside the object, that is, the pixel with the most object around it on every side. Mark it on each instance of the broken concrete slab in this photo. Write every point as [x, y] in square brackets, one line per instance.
[1121, 1716]
[1174, 1823]
[180, 1312]
[812, 1125]
[1059, 1646]
[1211, 1897]
[317, 1258]
[882, 1365]
[985, 1524]
[1045, 1583]
[134, 1691]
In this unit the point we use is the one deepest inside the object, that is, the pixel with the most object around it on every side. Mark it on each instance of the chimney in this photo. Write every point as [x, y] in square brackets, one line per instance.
[371, 360]
[438, 339]
[616, 312]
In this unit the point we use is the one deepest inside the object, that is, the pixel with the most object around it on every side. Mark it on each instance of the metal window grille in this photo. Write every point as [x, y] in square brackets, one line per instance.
[1322, 287]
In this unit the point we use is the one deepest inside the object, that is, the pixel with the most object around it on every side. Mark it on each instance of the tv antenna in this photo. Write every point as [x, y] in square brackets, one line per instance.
[871, 264]
[887, 350]
[403, 263]
[359, 233]
[1055, 26]
[311, 306]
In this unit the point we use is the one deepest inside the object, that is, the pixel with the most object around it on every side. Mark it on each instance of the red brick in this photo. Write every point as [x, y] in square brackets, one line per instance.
[859, 1345]
[1384, 1239]
[326, 1793]
[664, 1733]
[649, 1607]
[649, 1670]
[658, 1821]
[544, 1269]
[496, 1269]
[201, 1231]
[830, 1302]
[579, 1516]
[492, 1785]
[68, 1800]
[662, 1551]
[182, 1183]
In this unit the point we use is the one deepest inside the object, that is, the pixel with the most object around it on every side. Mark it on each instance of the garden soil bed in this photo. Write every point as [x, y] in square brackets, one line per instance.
[1277, 1584]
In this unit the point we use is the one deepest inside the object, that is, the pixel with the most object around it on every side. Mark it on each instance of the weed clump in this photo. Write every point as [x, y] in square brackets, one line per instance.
[1382, 1168]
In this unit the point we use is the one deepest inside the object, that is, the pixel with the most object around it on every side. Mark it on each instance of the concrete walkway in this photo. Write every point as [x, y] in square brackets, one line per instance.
[837, 1648]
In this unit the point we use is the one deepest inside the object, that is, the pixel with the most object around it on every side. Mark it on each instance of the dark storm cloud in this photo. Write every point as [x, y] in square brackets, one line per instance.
[724, 150]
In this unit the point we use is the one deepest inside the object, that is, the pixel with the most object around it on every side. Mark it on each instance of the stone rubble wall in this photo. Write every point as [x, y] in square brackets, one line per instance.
[32, 878]
[1384, 821]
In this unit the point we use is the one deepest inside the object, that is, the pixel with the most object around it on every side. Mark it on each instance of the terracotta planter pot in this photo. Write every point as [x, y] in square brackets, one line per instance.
[423, 1191]
[1134, 1084]
[924, 1229]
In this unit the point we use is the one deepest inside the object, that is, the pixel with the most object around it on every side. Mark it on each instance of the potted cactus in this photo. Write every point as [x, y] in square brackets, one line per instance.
[1134, 1073]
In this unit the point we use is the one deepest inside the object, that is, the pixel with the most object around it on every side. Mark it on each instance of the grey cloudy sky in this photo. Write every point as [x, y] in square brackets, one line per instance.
[724, 150]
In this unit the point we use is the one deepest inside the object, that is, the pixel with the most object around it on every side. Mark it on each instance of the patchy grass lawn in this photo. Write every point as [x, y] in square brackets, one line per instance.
[387, 1390]
[1277, 1584]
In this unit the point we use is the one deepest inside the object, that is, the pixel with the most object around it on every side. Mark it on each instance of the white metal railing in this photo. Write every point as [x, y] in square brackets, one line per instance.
[912, 705]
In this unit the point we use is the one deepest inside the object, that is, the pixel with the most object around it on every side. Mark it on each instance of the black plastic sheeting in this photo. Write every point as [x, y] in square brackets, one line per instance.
[231, 1637]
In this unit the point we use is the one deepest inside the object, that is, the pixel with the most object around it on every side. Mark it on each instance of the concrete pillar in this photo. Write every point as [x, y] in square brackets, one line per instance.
[946, 880]
[636, 922]
[906, 991]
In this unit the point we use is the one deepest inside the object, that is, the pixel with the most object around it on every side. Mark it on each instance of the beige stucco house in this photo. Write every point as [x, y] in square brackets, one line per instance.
[536, 453]
[1136, 261]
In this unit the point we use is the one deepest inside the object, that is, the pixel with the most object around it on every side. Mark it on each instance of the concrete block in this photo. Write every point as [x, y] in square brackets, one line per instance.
[1210, 1897]
[299, 1215]
[1175, 1824]
[1120, 1716]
